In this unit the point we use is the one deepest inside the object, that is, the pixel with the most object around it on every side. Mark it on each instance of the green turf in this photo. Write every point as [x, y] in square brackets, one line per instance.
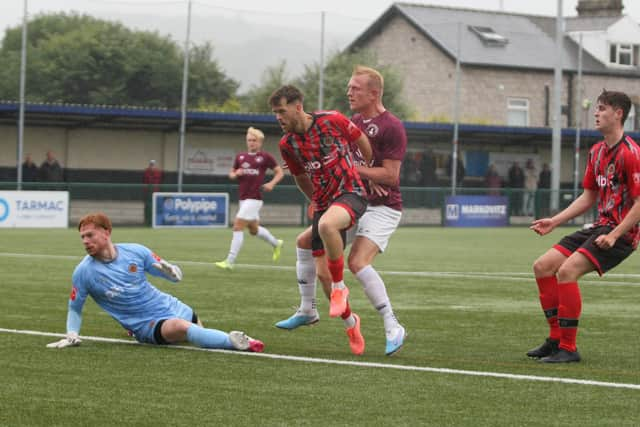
[482, 315]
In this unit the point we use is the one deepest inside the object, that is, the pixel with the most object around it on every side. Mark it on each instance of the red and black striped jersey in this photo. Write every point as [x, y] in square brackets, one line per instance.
[614, 172]
[323, 153]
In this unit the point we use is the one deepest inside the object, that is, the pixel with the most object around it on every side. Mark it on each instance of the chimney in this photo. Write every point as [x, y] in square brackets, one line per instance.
[599, 8]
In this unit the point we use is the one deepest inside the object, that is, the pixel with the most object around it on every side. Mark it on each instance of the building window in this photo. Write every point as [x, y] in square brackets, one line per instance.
[517, 112]
[488, 36]
[623, 54]
[630, 123]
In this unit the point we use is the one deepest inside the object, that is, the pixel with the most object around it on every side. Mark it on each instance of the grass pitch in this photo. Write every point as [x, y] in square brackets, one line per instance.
[466, 296]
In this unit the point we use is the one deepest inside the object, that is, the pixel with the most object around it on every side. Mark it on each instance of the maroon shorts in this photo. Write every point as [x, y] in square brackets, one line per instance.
[602, 259]
[354, 204]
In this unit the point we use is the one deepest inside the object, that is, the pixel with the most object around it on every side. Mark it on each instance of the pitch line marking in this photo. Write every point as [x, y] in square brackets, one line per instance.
[350, 363]
[505, 275]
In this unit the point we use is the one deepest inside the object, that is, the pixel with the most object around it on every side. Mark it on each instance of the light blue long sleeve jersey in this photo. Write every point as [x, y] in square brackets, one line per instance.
[121, 288]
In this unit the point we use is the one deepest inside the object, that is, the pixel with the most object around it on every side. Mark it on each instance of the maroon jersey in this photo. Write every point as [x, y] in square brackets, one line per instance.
[254, 166]
[389, 141]
[323, 153]
[615, 174]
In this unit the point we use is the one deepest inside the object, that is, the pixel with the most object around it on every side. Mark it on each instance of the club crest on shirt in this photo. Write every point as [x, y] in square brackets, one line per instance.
[372, 130]
[636, 178]
[259, 159]
[611, 169]
[133, 268]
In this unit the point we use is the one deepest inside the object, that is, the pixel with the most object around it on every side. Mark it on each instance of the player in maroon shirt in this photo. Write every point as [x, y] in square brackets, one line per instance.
[249, 169]
[612, 178]
[316, 148]
[389, 142]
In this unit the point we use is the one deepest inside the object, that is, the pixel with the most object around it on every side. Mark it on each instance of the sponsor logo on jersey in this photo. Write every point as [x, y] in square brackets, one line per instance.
[313, 165]
[601, 181]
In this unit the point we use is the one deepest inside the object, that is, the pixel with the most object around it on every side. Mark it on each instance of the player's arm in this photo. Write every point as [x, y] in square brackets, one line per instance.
[305, 185]
[74, 314]
[583, 203]
[387, 174]
[365, 147]
[278, 174]
[606, 241]
[234, 173]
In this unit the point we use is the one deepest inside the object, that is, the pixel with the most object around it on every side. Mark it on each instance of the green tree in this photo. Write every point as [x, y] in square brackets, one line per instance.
[80, 59]
[255, 101]
[336, 76]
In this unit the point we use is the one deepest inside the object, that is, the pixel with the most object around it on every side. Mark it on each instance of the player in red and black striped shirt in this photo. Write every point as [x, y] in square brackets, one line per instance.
[316, 149]
[612, 178]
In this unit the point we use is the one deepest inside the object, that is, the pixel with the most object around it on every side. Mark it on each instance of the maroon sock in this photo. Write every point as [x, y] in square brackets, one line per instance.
[569, 313]
[548, 293]
[336, 268]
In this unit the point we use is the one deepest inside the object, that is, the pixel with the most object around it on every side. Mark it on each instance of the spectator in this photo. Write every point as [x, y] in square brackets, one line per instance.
[152, 178]
[544, 183]
[29, 169]
[493, 180]
[516, 183]
[530, 185]
[50, 169]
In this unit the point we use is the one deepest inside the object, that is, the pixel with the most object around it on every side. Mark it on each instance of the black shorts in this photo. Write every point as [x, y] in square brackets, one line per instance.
[602, 259]
[355, 204]
[157, 331]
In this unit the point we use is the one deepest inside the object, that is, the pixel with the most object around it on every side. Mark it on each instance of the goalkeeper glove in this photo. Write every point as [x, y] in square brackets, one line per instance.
[170, 271]
[71, 340]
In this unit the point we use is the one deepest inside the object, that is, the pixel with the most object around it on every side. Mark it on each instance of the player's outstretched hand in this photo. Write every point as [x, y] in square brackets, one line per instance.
[542, 226]
[170, 271]
[71, 340]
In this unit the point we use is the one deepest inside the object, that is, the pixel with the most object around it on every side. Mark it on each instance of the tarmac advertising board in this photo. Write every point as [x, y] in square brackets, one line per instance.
[34, 209]
[476, 211]
[190, 210]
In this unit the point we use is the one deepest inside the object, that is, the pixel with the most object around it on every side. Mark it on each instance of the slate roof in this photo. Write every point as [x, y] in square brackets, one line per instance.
[531, 40]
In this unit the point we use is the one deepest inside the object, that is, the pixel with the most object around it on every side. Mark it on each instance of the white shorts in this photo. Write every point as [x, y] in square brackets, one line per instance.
[249, 209]
[378, 224]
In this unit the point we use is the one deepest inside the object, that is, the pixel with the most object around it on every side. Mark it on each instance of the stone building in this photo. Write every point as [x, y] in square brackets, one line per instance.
[507, 61]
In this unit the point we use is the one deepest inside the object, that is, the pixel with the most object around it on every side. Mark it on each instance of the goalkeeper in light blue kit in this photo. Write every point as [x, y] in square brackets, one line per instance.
[115, 277]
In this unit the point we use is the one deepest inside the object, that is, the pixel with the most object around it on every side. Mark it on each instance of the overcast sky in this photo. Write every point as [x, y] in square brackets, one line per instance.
[257, 28]
[11, 10]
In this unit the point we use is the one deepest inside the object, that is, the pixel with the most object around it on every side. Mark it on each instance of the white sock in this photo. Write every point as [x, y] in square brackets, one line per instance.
[377, 293]
[266, 235]
[349, 322]
[236, 245]
[338, 285]
[306, 274]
